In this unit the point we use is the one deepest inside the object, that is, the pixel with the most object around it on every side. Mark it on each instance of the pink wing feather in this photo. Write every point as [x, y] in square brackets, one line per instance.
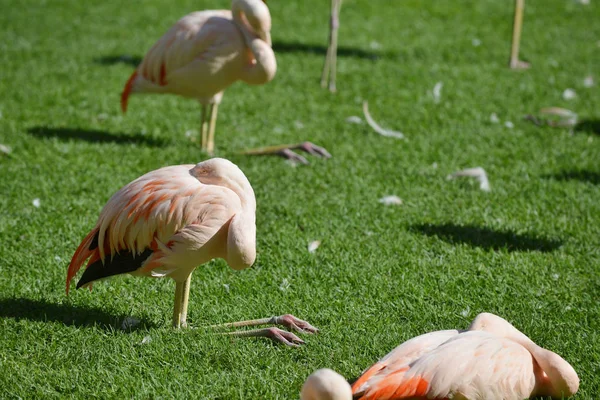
[197, 44]
[474, 365]
[151, 211]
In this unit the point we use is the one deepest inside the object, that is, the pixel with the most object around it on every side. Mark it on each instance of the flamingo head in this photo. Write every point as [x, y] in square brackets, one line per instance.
[326, 384]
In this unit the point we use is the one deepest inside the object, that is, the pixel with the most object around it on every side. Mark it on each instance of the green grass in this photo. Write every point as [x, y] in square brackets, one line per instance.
[528, 250]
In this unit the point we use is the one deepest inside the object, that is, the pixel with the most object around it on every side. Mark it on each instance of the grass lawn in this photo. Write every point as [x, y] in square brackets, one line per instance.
[529, 250]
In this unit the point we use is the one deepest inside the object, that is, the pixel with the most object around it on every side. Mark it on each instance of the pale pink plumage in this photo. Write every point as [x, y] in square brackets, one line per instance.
[183, 215]
[203, 54]
[492, 360]
[206, 51]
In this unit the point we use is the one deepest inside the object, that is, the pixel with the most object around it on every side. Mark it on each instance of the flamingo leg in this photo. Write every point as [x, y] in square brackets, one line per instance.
[177, 305]
[515, 63]
[204, 126]
[330, 67]
[334, 40]
[286, 151]
[276, 334]
[211, 130]
[182, 296]
[325, 73]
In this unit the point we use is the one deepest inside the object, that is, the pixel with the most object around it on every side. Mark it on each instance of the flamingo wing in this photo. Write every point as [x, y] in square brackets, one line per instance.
[190, 37]
[400, 358]
[471, 365]
[148, 216]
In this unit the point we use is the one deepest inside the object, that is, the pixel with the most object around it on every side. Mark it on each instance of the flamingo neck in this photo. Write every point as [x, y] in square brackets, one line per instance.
[245, 193]
[557, 377]
[253, 20]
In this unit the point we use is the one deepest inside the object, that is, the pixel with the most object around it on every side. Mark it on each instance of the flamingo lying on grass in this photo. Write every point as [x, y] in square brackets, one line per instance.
[491, 360]
[203, 54]
[169, 221]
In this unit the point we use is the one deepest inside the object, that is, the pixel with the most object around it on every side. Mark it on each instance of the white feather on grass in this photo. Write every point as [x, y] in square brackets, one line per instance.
[391, 200]
[376, 127]
[313, 246]
[437, 92]
[477, 173]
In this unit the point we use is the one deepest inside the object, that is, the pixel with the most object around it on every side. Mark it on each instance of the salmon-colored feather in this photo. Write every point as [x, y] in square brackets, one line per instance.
[127, 91]
[81, 254]
[409, 388]
[367, 375]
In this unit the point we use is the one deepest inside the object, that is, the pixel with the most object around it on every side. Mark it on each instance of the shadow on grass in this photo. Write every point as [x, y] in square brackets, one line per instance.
[588, 126]
[486, 238]
[582, 175]
[297, 47]
[92, 135]
[70, 315]
[134, 61]
[278, 47]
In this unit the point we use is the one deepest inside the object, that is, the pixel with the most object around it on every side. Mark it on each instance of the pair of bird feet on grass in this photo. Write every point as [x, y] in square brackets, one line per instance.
[273, 333]
[287, 151]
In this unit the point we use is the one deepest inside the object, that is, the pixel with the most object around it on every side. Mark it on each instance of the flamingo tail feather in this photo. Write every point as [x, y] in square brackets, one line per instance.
[85, 250]
[127, 91]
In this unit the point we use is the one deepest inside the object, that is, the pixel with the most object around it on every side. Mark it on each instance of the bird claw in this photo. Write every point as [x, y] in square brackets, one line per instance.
[293, 157]
[285, 337]
[314, 150]
[291, 322]
[308, 147]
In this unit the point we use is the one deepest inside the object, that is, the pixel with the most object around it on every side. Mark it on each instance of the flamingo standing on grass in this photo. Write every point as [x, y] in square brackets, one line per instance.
[203, 54]
[169, 221]
[491, 360]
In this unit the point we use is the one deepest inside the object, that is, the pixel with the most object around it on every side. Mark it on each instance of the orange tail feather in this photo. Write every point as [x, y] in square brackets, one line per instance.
[127, 91]
[366, 376]
[412, 388]
[82, 253]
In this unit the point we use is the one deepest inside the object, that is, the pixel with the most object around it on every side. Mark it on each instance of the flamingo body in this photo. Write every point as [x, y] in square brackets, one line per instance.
[470, 365]
[169, 221]
[199, 57]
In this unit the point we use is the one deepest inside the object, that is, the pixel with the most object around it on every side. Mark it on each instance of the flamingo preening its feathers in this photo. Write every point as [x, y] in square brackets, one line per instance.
[203, 54]
[491, 360]
[171, 220]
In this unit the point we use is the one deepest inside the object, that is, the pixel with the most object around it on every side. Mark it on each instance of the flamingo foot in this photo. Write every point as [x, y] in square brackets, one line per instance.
[291, 322]
[275, 334]
[287, 151]
[518, 64]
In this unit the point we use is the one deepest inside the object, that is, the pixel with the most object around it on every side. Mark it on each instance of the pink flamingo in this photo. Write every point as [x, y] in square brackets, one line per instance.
[491, 360]
[169, 221]
[203, 54]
